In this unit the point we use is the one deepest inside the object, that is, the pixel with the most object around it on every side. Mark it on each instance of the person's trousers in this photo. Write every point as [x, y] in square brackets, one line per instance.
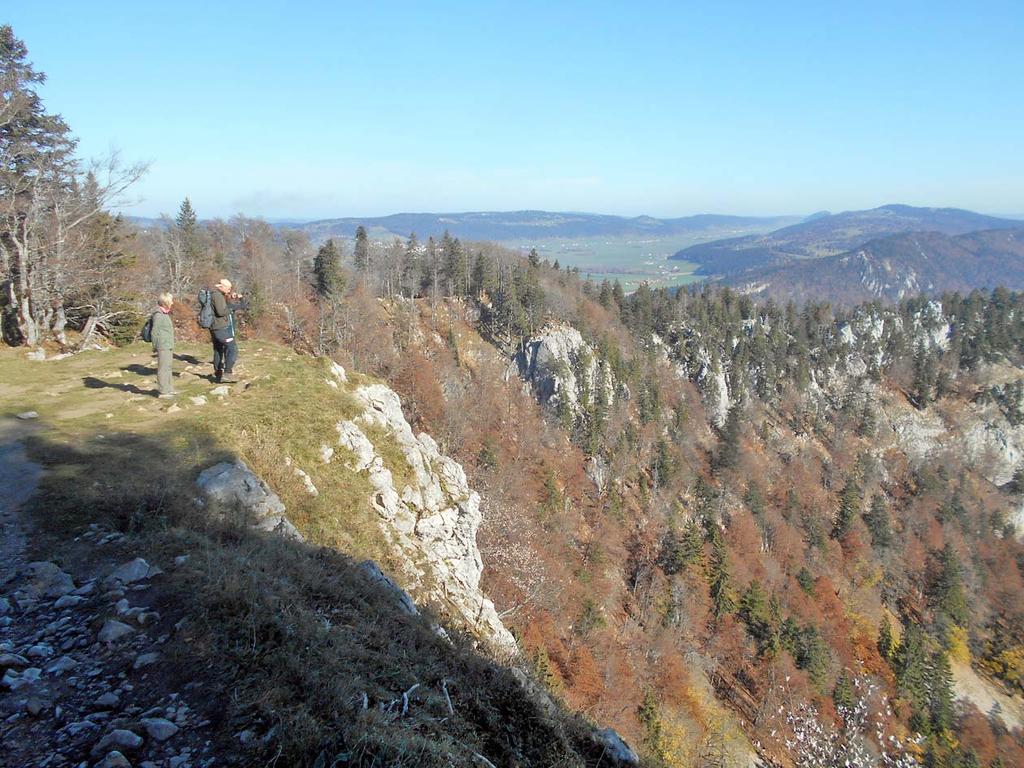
[225, 350]
[164, 375]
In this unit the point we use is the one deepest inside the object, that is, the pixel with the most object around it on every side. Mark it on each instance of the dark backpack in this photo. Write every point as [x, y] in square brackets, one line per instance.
[205, 318]
[147, 330]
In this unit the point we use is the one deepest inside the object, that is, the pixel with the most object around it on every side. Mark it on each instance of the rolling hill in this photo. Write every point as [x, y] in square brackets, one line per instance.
[831, 235]
[517, 225]
[891, 268]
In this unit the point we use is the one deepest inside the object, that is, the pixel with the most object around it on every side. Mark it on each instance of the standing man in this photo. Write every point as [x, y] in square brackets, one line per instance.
[222, 330]
[163, 344]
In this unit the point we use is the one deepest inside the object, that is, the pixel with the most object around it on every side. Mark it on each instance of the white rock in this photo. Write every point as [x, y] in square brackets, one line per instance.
[113, 630]
[68, 601]
[615, 749]
[198, 400]
[351, 437]
[158, 728]
[221, 391]
[236, 487]
[146, 659]
[28, 415]
[47, 580]
[135, 570]
[119, 739]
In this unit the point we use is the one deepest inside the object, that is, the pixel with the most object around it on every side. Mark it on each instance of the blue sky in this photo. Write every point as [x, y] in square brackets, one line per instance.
[318, 109]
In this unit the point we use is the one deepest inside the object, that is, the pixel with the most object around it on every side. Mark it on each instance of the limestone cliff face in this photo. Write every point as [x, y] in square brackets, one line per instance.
[563, 371]
[427, 510]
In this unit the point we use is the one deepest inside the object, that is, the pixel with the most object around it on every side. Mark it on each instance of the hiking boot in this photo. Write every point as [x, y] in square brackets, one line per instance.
[217, 376]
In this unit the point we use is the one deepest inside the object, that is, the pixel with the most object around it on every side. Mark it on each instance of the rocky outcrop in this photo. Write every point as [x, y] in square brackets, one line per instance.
[562, 370]
[427, 510]
[234, 486]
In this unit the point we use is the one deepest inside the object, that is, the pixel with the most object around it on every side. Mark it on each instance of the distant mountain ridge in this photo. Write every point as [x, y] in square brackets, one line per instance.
[896, 267]
[517, 225]
[823, 234]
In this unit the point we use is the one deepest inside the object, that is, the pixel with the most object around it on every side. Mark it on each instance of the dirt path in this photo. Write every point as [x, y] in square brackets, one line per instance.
[19, 477]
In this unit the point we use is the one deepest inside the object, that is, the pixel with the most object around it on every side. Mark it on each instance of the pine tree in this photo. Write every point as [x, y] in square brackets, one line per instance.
[940, 693]
[533, 259]
[925, 374]
[843, 695]
[361, 253]
[886, 642]
[849, 506]
[912, 665]
[618, 295]
[946, 591]
[877, 521]
[410, 266]
[729, 445]
[328, 279]
[723, 597]
[453, 265]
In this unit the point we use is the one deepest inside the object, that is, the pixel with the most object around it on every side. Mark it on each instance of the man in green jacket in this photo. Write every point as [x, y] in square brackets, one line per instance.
[222, 331]
[163, 344]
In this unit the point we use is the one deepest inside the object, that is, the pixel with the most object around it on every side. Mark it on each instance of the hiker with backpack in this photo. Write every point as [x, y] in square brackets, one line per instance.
[159, 330]
[217, 309]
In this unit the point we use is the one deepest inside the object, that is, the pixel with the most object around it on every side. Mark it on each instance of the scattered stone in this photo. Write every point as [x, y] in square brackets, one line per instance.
[122, 606]
[28, 415]
[108, 700]
[180, 560]
[14, 681]
[85, 590]
[246, 737]
[338, 372]
[146, 659]
[68, 601]
[113, 630]
[198, 400]
[158, 728]
[73, 729]
[61, 665]
[114, 760]
[35, 706]
[173, 408]
[5, 606]
[48, 580]
[37, 355]
[221, 391]
[136, 570]
[326, 453]
[39, 652]
[118, 739]
[8, 660]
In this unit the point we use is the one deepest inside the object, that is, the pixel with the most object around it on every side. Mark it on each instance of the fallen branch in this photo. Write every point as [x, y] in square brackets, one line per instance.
[447, 698]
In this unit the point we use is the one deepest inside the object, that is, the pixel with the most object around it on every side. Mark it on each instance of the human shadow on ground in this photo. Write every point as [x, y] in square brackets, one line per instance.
[190, 359]
[91, 382]
[141, 370]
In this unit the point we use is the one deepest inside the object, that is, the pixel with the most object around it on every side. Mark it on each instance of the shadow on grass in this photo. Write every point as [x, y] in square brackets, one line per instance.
[190, 359]
[299, 637]
[140, 370]
[91, 382]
